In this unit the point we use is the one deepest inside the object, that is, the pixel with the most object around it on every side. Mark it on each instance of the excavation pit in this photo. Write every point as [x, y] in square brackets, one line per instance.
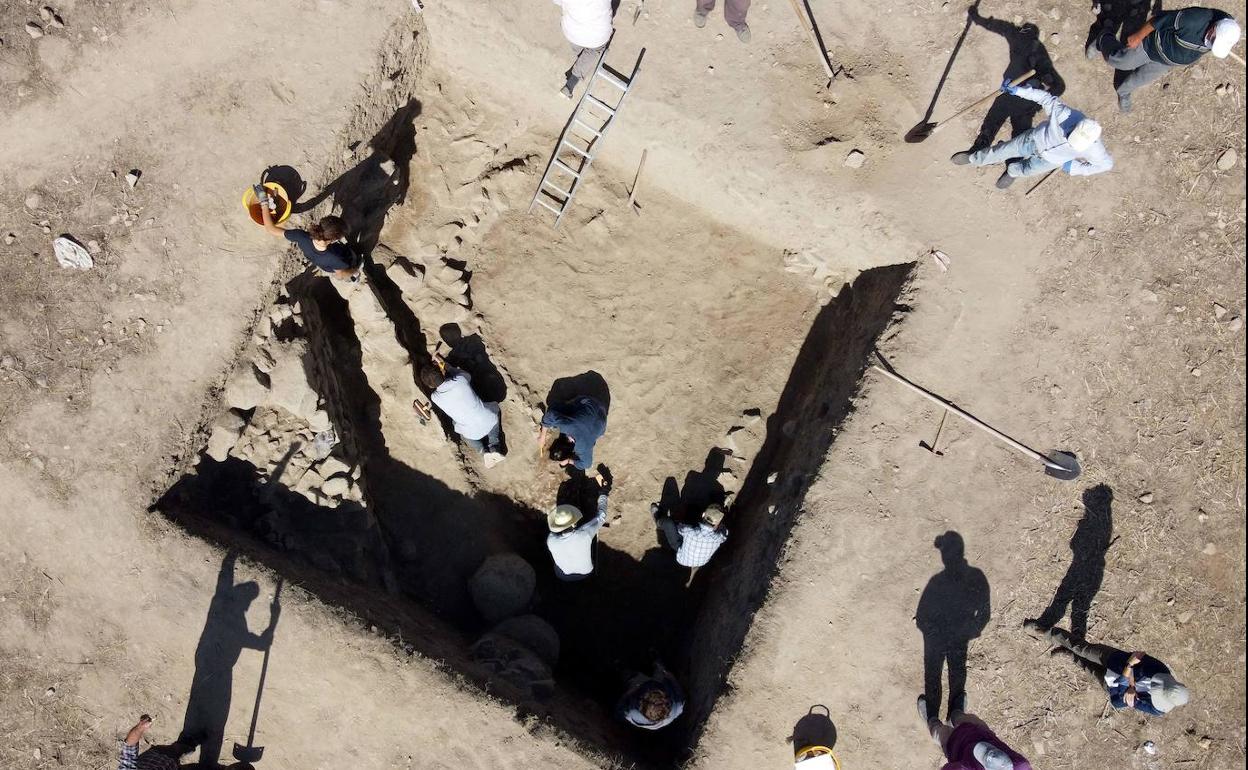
[726, 378]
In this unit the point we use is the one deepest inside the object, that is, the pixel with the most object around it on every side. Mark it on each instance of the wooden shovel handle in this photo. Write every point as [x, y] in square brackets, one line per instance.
[1018, 81]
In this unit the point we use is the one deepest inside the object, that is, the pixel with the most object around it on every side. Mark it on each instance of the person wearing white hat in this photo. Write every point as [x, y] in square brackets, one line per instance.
[1068, 140]
[587, 24]
[694, 545]
[571, 540]
[1132, 680]
[968, 743]
[1171, 39]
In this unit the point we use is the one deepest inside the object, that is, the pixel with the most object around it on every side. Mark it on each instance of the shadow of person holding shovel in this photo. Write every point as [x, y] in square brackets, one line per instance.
[953, 609]
[1026, 53]
[1088, 547]
[223, 639]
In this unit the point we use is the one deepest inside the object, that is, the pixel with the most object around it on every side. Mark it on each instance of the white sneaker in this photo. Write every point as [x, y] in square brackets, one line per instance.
[493, 458]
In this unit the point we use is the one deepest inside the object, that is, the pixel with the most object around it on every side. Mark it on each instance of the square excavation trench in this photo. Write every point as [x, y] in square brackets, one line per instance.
[725, 380]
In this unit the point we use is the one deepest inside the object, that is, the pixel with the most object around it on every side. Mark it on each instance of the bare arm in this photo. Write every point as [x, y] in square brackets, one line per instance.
[271, 227]
[1137, 37]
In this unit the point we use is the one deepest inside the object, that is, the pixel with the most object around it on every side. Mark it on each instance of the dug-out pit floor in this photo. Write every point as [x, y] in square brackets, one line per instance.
[725, 379]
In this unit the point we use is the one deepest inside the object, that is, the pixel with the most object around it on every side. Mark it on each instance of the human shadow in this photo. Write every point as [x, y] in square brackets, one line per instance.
[814, 729]
[589, 383]
[1120, 18]
[1027, 52]
[1088, 547]
[223, 639]
[953, 609]
[953, 55]
[468, 353]
[366, 192]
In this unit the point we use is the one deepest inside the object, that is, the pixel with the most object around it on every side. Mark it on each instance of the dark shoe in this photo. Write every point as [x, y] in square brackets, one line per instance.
[699, 19]
[656, 512]
[1124, 103]
[961, 158]
[1004, 181]
[957, 704]
[1034, 626]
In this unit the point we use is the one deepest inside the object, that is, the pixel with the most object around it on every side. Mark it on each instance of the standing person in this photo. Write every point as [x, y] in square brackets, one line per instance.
[1171, 39]
[968, 743]
[587, 25]
[652, 702]
[1068, 140]
[156, 757]
[571, 541]
[694, 545]
[321, 244]
[1132, 680]
[734, 14]
[580, 423]
[476, 422]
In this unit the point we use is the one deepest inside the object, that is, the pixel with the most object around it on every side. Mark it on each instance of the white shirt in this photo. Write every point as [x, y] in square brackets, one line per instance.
[1050, 136]
[456, 398]
[573, 549]
[586, 23]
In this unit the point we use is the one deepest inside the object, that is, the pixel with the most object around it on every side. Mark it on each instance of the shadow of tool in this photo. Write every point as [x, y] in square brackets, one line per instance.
[812, 732]
[1088, 547]
[940, 84]
[223, 639]
[954, 609]
[252, 753]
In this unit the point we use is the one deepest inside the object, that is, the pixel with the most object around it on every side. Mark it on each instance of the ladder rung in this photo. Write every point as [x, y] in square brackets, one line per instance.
[587, 127]
[552, 207]
[595, 100]
[557, 188]
[575, 149]
[612, 79]
[566, 168]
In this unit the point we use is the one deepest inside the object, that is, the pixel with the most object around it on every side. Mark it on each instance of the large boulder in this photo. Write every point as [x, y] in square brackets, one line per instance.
[226, 430]
[534, 633]
[502, 586]
[288, 381]
[247, 388]
[515, 664]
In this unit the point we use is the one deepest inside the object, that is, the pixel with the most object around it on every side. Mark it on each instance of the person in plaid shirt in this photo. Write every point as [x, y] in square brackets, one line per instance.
[694, 545]
[156, 757]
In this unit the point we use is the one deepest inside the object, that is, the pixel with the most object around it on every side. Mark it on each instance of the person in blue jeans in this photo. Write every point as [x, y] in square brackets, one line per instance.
[1132, 679]
[1068, 140]
[580, 422]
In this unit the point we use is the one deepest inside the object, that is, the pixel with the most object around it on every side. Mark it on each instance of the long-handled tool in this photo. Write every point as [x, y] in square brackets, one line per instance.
[252, 753]
[924, 129]
[813, 33]
[1043, 179]
[936, 441]
[1059, 465]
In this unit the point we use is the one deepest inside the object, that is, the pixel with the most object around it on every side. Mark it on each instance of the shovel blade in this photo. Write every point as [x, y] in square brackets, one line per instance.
[920, 132]
[248, 754]
[1062, 465]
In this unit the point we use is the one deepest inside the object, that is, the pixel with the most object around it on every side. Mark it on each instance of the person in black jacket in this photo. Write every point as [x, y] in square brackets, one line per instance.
[1171, 39]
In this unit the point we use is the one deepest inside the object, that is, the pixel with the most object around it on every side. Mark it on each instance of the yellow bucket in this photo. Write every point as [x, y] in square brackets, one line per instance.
[814, 757]
[253, 208]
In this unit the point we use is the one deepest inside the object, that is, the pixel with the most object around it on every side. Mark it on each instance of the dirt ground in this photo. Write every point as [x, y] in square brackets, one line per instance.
[1102, 316]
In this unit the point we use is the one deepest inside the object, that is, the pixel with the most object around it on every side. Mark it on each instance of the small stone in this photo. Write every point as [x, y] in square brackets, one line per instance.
[1209, 550]
[1091, 231]
[1149, 747]
[1146, 498]
[9, 238]
[33, 201]
[38, 754]
[1235, 324]
[387, 167]
[1184, 617]
[1202, 517]
[94, 247]
[710, 69]
[48, 693]
[335, 487]
[1205, 742]
[35, 31]
[719, 36]
[1220, 89]
[1227, 160]
[771, 479]
[855, 159]
[1055, 38]
[1218, 310]
[1196, 372]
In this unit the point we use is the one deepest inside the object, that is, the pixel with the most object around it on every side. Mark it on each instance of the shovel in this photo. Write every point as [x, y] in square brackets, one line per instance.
[925, 129]
[252, 753]
[1059, 465]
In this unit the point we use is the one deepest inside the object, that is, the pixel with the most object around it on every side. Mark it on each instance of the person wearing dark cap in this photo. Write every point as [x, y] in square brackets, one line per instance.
[1132, 680]
[1172, 39]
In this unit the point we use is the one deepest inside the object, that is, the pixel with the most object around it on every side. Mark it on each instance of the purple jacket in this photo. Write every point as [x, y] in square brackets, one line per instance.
[962, 742]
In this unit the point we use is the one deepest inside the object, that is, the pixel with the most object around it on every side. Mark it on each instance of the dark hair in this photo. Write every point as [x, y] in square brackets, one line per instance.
[328, 229]
[654, 704]
[562, 448]
[431, 376]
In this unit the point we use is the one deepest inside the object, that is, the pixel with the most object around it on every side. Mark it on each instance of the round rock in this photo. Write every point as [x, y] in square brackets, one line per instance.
[534, 633]
[502, 586]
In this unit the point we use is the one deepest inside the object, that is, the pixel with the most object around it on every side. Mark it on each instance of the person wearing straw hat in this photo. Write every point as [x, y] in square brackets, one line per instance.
[694, 545]
[1068, 140]
[1132, 680]
[571, 540]
[968, 743]
[652, 702]
[1171, 39]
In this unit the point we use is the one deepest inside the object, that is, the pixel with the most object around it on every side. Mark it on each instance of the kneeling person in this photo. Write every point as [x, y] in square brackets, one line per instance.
[476, 422]
[694, 546]
[321, 244]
